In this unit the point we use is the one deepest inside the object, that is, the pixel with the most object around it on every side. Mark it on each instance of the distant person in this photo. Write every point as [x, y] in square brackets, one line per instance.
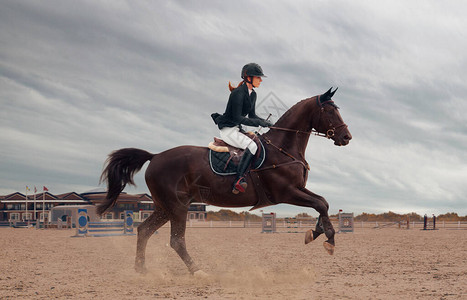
[242, 102]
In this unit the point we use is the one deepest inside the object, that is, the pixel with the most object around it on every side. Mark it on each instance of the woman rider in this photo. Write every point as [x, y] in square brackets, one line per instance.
[241, 103]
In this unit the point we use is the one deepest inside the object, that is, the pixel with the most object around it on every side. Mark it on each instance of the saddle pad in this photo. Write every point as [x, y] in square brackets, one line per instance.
[221, 164]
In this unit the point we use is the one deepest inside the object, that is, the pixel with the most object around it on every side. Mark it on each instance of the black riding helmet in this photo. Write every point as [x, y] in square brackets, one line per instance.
[252, 69]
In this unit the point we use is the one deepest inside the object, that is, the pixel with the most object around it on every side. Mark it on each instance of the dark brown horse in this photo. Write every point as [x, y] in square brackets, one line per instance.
[182, 175]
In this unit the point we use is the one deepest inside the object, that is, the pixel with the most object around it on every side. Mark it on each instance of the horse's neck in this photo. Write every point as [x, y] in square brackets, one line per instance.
[299, 118]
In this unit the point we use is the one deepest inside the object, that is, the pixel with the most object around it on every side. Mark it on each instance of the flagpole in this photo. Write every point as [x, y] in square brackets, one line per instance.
[26, 216]
[43, 207]
[35, 191]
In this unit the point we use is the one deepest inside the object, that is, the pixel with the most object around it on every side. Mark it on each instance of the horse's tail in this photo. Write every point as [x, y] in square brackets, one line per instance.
[119, 169]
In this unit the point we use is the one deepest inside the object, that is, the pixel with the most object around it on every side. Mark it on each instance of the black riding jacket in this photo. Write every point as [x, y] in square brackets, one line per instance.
[240, 104]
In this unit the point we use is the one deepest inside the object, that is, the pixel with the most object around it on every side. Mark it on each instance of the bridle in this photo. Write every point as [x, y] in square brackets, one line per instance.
[329, 133]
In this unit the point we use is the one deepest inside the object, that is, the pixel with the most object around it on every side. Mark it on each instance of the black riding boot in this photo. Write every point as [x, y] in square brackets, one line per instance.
[240, 184]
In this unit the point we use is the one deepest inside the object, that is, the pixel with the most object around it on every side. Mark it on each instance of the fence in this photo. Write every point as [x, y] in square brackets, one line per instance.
[412, 225]
[282, 223]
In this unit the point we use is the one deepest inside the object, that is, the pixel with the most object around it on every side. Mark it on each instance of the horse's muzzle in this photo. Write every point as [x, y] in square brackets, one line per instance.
[343, 138]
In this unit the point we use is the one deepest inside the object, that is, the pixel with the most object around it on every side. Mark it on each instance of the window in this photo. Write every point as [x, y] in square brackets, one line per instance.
[46, 214]
[126, 206]
[108, 216]
[16, 206]
[27, 216]
[14, 216]
[147, 207]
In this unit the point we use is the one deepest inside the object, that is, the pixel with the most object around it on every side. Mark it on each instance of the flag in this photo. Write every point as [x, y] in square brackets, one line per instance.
[27, 188]
[35, 189]
[46, 189]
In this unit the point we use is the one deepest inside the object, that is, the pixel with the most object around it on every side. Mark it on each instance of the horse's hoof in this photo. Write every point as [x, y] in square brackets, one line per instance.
[329, 248]
[309, 236]
[140, 269]
[200, 274]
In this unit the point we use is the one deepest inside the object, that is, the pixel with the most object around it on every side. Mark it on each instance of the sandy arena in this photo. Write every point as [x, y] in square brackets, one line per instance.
[242, 263]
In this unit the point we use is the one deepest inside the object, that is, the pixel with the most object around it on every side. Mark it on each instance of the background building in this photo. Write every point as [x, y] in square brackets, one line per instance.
[18, 207]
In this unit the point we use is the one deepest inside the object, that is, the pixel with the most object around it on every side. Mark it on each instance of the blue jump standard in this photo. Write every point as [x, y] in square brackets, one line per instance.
[110, 234]
[99, 229]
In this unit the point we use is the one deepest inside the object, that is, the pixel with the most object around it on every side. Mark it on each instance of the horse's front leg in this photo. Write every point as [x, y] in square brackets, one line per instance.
[303, 197]
[312, 235]
[320, 228]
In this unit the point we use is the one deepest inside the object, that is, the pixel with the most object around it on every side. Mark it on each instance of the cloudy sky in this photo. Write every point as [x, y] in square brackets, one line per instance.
[79, 79]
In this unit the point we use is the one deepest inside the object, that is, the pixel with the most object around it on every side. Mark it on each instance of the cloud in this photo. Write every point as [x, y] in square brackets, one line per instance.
[80, 79]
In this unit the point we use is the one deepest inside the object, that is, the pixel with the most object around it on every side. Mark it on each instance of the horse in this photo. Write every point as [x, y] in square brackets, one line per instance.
[182, 175]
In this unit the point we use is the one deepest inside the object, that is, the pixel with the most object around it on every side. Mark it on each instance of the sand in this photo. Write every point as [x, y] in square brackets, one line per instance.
[242, 263]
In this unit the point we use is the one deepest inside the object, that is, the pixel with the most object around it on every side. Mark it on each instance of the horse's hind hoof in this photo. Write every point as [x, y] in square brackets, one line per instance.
[329, 248]
[309, 236]
[141, 269]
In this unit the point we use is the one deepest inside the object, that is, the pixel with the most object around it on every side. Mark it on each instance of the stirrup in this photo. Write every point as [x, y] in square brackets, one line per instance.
[240, 186]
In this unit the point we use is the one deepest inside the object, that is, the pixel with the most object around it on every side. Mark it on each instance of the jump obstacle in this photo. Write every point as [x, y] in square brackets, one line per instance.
[102, 229]
[268, 223]
[346, 223]
[298, 225]
[425, 223]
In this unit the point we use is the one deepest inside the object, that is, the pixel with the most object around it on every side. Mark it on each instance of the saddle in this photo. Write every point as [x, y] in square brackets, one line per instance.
[224, 158]
[220, 146]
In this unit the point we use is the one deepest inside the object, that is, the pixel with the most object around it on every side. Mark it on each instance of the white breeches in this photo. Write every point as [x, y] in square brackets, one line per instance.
[233, 137]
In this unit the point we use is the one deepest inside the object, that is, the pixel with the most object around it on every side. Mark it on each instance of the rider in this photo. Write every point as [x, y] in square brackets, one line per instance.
[241, 103]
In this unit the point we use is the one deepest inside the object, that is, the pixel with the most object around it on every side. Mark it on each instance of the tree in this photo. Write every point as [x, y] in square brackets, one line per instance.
[229, 215]
[303, 215]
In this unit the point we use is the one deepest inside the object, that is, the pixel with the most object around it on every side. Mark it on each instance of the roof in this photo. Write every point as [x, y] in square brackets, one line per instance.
[123, 197]
[72, 197]
[73, 206]
[15, 196]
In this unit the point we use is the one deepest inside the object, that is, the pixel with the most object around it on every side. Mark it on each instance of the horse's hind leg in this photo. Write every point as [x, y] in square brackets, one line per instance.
[177, 241]
[158, 218]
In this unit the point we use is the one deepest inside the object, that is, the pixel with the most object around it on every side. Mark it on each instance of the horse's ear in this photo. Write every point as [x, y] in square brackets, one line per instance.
[332, 93]
[327, 96]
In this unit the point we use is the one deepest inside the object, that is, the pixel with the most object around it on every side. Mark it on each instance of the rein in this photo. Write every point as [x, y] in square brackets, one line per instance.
[329, 134]
[295, 160]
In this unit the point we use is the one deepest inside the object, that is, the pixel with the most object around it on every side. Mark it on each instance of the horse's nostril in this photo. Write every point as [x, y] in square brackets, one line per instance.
[347, 137]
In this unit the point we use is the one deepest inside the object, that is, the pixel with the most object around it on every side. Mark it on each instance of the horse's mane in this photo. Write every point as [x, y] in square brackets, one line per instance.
[297, 106]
